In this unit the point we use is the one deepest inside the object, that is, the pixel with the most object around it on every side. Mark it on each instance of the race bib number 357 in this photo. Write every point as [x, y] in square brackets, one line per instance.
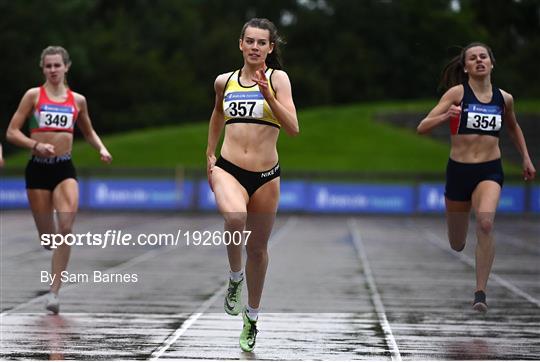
[244, 105]
[56, 117]
[485, 118]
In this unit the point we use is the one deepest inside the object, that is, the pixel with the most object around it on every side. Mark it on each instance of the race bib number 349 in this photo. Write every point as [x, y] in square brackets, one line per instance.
[56, 117]
[485, 118]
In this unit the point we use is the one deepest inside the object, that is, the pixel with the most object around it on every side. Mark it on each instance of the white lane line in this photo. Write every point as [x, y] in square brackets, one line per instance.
[122, 266]
[197, 314]
[375, 296]
[442, 244]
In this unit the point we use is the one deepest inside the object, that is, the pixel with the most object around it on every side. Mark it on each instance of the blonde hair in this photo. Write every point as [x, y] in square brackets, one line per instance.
[52, 50]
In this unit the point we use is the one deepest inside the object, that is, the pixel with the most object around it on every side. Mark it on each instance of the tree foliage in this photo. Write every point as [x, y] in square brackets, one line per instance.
[143, 63]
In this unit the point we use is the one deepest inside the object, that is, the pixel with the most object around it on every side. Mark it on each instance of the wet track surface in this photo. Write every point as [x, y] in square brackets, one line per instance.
[337, 288]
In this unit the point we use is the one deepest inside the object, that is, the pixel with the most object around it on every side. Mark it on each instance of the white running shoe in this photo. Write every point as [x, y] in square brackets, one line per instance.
[52, 302]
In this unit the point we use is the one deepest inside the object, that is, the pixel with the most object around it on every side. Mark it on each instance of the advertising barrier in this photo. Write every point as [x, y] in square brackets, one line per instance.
[139, 194]
[296, 196]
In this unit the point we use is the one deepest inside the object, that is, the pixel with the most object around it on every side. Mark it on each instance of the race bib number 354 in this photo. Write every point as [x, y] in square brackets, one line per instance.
[56, 117]
[485, 118]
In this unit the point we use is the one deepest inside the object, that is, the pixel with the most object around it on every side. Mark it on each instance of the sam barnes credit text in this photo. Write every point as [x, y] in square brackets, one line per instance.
[94, 277]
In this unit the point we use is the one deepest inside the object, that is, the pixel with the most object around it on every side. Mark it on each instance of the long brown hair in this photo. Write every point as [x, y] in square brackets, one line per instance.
[273, 60]
[454, 71]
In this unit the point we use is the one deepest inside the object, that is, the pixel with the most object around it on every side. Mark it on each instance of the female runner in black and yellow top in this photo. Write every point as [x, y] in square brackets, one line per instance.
[475, 111]
[254, 103]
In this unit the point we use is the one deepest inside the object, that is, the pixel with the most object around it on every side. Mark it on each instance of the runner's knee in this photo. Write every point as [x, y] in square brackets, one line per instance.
[485, 226]
[235, 220]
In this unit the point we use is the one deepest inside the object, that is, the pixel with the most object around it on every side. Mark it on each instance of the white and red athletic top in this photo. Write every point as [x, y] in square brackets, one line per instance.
[52, 116]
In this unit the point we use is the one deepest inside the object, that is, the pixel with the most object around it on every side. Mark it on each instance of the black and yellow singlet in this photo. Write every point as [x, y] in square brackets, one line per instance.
[246, 104]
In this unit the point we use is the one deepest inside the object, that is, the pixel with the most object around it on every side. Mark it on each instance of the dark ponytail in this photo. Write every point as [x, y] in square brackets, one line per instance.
[273, 60]
[454, 71]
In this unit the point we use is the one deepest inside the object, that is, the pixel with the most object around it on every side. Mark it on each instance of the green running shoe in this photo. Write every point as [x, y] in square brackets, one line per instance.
[233, 299]
[249, 333]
